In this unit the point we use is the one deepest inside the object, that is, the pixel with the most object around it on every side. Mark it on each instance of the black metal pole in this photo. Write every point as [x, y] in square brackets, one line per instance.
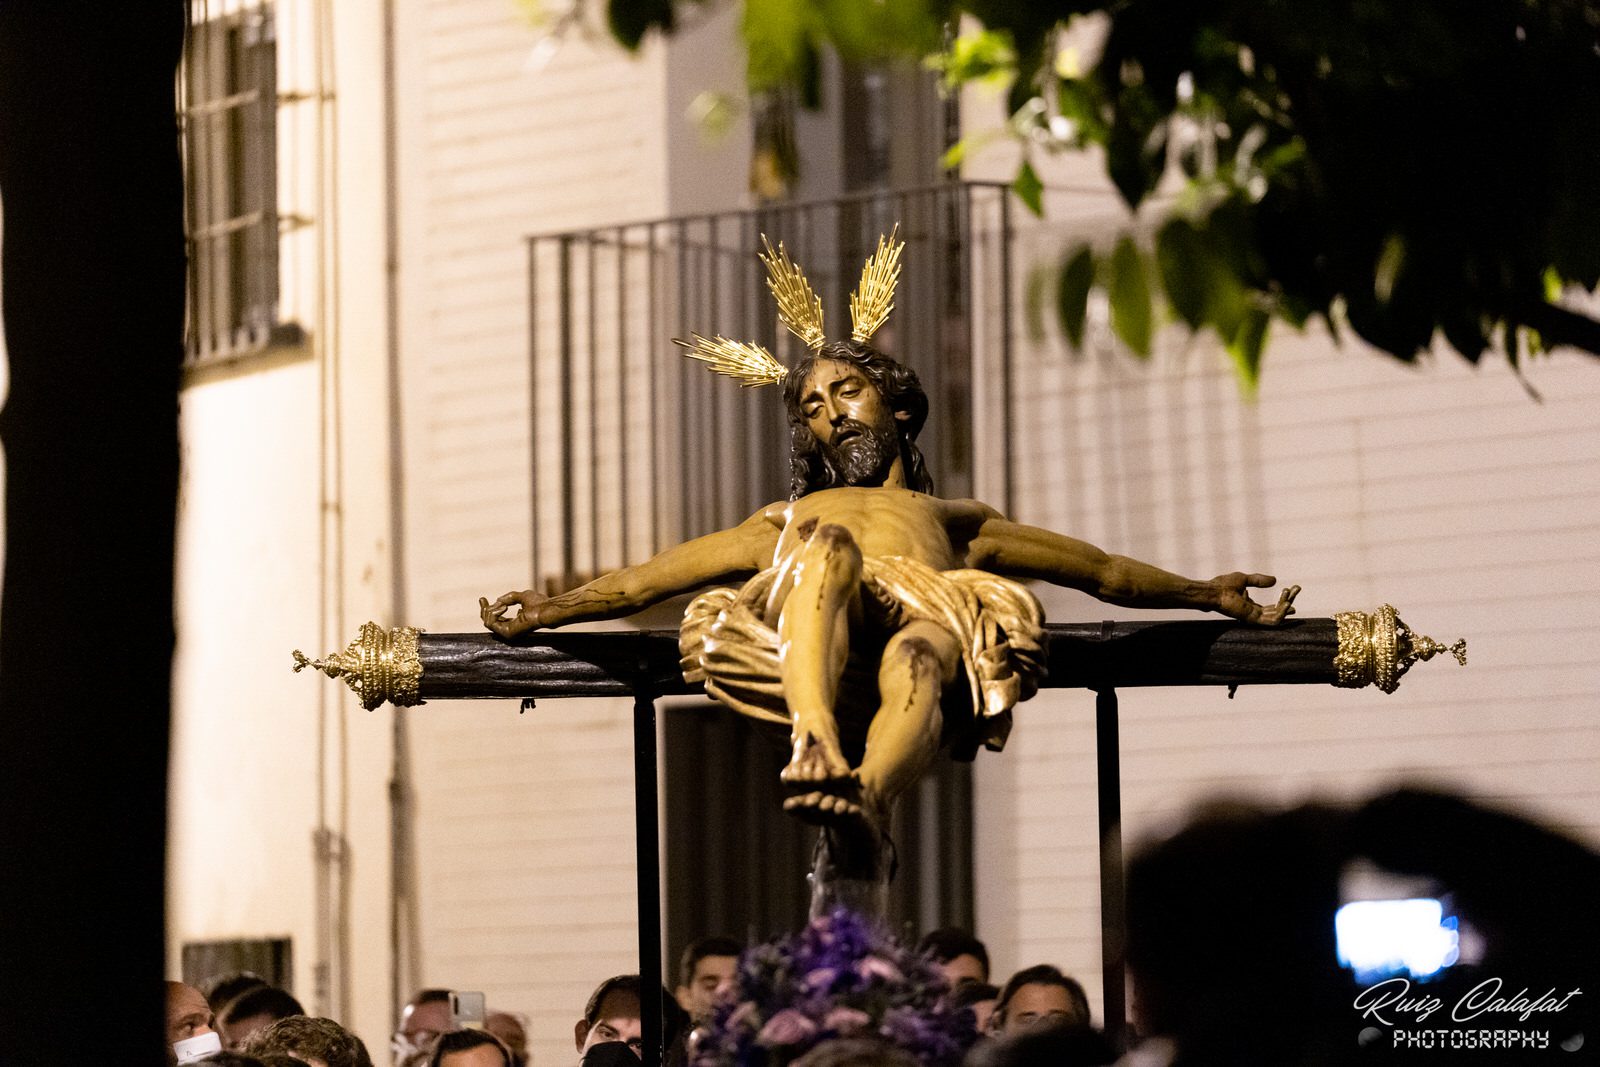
[591, 284]
[624, 556]
[1007, 442]
[536, 581]
[1113, 914]
[647, 844]
[565, 392]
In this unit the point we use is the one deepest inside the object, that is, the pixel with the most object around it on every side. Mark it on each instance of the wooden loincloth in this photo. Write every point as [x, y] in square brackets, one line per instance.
[729, 642]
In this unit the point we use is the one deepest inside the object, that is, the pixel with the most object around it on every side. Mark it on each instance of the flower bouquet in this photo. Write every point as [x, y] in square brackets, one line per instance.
[840, 976]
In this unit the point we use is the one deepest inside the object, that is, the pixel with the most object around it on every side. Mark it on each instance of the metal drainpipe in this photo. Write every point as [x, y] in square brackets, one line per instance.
[321, 965]
[402, 901]
[332, 964]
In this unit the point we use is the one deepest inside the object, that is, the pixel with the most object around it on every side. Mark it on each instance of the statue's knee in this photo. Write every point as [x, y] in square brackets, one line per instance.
[919, 654]
[833, 536]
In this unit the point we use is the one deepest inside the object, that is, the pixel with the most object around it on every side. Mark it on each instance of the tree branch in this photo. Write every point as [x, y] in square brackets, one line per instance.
[1559, 326]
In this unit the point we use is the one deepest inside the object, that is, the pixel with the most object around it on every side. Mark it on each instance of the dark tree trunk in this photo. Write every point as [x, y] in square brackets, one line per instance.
[93, 273]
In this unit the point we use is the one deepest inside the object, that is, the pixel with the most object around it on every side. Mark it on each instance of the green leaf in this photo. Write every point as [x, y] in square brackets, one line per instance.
[1391, 261]
[1079, 100]
[1072, 294]
[1245, 348]
[1294, 310]
[631, 19]
[1465, 332]
[1227, 298]
[1181, 260]
[1130, 297]
[714, 113]
[1033, 301]
[1027, 118]
[1552, 285]
[983, 56]
[777, 35]
[1200, 283]
[1136, 145]
[810, 78]
[1230, 236]
[1125, 163]
[872, 33]
[957, 153]
[1030, 59]
[1029, 189]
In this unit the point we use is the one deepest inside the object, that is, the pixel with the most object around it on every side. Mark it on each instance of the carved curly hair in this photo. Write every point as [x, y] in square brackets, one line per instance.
[809, 469]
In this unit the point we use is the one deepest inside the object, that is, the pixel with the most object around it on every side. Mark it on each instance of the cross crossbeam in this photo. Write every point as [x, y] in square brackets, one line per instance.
[1354, 649]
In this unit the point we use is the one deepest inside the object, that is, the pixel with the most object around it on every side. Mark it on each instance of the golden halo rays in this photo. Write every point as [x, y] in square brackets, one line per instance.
[801, 311]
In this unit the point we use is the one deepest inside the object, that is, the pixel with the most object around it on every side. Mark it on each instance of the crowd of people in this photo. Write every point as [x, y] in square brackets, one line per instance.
[253, 1024]
[1230, 951]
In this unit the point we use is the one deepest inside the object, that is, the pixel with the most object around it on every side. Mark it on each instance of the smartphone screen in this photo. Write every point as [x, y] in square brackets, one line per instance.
[466, 1010]
[1381, 939]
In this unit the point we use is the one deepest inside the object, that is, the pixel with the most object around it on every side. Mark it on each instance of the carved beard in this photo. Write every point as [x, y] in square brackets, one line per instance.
[865, 457]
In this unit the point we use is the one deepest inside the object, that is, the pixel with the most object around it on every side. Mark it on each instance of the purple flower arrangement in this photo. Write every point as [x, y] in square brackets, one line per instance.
[841, 976]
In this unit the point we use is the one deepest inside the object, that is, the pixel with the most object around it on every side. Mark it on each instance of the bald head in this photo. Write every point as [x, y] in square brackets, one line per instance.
[188, 1014]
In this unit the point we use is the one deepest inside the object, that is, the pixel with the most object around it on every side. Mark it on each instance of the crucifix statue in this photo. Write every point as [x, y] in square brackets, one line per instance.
[875, 620]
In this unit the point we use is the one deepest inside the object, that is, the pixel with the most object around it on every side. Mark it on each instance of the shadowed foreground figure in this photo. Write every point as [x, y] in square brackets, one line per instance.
[874, 619]
[1234, 957]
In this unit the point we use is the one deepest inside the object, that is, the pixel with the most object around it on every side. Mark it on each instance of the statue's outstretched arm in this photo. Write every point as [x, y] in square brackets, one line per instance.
[727, 555]
[1021, 551]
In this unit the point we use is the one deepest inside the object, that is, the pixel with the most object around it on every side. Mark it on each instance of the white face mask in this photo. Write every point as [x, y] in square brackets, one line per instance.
[192, 1049]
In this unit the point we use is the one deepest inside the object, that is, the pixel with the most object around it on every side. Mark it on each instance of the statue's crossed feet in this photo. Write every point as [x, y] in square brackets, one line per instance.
[815, 764]
[839, 803]
[825, 791]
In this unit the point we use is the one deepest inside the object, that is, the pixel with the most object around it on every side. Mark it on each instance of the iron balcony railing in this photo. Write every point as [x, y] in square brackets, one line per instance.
[635, 448]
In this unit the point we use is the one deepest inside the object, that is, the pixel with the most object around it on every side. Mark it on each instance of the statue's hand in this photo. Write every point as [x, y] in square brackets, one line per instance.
[1233, 598]
[527, 604]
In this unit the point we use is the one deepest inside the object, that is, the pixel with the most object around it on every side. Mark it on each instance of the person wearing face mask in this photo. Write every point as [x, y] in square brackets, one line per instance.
[611, 1015]
[190, 1034]
[611, 1032]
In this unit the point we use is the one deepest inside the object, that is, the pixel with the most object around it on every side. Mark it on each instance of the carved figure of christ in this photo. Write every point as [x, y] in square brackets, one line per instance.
[817, 546]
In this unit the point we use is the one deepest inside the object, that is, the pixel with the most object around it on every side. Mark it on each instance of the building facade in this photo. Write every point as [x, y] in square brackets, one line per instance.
[377, 450]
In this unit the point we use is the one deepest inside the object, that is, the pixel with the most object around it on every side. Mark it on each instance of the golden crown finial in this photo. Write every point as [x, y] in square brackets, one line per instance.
[798, 307]
[746, 361]
[1377, 648]
[873, 299]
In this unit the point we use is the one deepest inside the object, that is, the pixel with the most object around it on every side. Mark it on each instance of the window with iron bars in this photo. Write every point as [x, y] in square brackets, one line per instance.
[228, 85]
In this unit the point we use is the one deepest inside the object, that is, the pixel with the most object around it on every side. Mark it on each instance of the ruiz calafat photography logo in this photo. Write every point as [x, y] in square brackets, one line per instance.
[1425, 983]
[1490, 1016]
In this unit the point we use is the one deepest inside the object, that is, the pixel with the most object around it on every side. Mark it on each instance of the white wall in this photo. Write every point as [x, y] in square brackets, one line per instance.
[1440, 488]
[493, 150]
[244, 753]
[283, 532]
[706, 173]
[524, 822]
